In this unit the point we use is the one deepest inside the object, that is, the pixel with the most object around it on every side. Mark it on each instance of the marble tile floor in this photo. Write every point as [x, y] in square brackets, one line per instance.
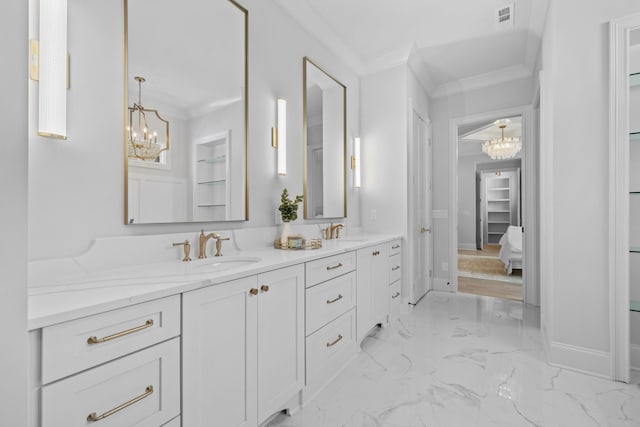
[460, 360]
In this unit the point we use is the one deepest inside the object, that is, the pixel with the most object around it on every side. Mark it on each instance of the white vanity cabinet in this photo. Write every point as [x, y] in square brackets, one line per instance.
[118, 368]
[395, 280]
[330, 319]
[243, 348]
[372, 288]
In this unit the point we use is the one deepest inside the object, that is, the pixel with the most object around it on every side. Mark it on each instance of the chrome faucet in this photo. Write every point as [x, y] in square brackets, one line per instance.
[333, 231]
[203, 243]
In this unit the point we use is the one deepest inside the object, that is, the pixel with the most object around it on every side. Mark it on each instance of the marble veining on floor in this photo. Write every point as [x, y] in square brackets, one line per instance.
[461, 360]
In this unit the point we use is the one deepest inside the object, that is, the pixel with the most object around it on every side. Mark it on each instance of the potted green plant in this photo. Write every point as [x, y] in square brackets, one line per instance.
[289, 212]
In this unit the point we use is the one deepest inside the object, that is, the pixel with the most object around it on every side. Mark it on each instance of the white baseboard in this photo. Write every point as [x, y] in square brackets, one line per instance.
[580, 359]
[467, 246]
[635, 357]
[440, 284]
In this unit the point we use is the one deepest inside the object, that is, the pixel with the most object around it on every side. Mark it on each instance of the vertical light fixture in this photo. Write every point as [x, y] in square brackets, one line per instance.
[355, 162]
[52, 90]
[279, 136]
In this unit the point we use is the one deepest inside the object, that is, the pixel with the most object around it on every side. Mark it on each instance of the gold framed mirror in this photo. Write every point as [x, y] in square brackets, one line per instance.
[325, 143]
[186, 111]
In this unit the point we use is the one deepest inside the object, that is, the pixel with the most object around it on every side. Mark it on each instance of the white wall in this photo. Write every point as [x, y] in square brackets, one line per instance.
[507, 95]
[575, 64]
[13, 212]
[76, 186]
[384, 151]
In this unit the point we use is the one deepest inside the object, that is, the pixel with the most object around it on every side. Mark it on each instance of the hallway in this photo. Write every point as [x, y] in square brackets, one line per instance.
[465, 360]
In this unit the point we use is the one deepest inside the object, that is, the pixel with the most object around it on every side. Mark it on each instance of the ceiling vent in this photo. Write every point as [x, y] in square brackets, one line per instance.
[504, 17]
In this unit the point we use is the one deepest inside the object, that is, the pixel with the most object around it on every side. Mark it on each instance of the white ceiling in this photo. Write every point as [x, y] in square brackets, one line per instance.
[454, 40]
[474, 135]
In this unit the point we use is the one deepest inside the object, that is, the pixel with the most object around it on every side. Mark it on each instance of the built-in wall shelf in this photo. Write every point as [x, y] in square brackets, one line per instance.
[635, 249]
[219, 159]
[217, 181]
[634, 79]
[634, 136]
[635, 306]
[210, 205]
[635, 193]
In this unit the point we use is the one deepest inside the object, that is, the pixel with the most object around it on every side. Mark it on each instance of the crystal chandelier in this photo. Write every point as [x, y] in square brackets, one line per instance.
[142, 141]
[503, 148]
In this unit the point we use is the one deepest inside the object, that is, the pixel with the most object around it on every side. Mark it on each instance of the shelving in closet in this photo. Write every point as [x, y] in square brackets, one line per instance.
[211, 178]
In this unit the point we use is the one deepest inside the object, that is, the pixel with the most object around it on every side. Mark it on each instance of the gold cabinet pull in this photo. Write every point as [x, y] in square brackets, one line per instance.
[395, 247]
[338, 298]
[338, 265]
[95, 340]
[396, 295]
[265, 288]
[253, 291]
[95, 417]
[397, 267]
[331, 344]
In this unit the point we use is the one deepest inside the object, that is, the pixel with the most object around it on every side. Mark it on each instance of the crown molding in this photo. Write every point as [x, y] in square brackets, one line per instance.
[493, 78]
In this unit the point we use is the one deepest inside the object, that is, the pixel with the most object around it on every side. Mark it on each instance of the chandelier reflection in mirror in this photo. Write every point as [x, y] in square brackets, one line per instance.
[503, 148]
[143, 131]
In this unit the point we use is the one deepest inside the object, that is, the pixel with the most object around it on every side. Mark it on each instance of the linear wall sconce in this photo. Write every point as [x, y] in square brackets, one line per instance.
[355, 163]
[279, 136]
[52, 69]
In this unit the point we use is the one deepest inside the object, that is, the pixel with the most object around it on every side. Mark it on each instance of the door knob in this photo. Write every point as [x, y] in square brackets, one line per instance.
[424, 230]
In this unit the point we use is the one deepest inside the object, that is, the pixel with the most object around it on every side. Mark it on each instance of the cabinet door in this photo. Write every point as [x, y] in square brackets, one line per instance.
[219, 336]
[372, 283]
[280, 338]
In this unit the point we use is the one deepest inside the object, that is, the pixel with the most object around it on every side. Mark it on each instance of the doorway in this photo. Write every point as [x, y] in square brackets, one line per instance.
[489, 209]
[491, 225]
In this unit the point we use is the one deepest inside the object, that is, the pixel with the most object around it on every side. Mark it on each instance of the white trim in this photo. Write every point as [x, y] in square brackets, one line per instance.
[619, 195]
[580, 359]
[526, 112]
[635, 357]
[467, 246]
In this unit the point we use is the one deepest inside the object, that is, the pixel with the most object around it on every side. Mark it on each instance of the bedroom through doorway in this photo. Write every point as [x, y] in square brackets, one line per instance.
[490, 233]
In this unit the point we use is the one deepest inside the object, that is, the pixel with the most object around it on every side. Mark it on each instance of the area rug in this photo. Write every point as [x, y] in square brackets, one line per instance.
[485, 267]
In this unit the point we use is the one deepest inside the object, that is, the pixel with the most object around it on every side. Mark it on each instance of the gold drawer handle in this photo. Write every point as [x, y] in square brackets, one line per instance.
[338, 298]
[395, 247]
[331, 344]
[397, 267]
[95, 417]
[396, 295]
[95, 340]
[335, 266]
[264, 288]
[253, 291]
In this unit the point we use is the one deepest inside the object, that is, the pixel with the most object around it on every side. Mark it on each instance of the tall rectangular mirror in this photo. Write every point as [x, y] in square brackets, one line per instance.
[186, 111]
[325, 144]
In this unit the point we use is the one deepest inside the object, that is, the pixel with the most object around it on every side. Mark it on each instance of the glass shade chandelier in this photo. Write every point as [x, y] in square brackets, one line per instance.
[142, 141]
[503, 148]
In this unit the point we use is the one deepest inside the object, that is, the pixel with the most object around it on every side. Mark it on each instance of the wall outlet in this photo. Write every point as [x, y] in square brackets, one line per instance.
[374, 214]
[445, 266]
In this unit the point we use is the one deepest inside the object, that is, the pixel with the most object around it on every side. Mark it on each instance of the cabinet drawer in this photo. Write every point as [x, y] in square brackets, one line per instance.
[142, 390]
[83, 343]
[395, 268]
[395, 247]
[329, 300]
[321, 270]
[395, 301]
[330, 347]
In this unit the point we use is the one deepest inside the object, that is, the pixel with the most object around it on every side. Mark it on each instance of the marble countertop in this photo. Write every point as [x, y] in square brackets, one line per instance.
[90, 291]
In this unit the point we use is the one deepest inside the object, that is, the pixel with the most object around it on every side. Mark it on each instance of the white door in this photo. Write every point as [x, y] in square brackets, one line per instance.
[280, 338]
[424, 189]
[220, 355]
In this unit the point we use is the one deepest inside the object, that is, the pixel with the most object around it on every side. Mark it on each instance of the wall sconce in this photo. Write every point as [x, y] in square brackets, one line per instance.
[279, 136]
[355, 162]
[52, 69]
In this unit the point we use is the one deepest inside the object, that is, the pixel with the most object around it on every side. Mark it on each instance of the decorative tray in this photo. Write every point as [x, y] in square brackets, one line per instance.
[298, 243]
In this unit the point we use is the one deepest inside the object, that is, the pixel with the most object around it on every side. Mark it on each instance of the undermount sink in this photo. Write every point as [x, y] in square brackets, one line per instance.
[221, 263]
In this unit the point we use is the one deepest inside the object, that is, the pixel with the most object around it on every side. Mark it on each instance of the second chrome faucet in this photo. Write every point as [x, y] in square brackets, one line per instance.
[204, 238]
